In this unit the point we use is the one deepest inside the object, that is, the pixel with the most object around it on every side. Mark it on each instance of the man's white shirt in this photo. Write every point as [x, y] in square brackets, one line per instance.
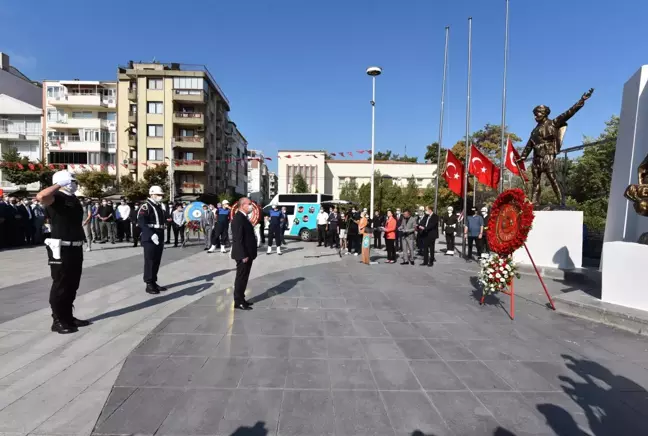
[322, 219]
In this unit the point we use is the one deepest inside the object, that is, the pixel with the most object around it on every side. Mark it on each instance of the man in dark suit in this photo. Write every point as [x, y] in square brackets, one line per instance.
[429, 228]
[244, 251]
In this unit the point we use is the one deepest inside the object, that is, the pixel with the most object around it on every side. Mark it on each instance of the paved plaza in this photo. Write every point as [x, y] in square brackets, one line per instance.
[332, 347]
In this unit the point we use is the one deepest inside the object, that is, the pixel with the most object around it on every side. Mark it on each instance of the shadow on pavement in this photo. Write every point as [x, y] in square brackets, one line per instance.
[259, 429]
[205, 277]
[279, 289]
[192, 290]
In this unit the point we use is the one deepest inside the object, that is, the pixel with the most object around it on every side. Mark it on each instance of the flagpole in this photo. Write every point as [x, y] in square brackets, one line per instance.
[465, 188]
[474, 190]
[506, 49]
[443, 89]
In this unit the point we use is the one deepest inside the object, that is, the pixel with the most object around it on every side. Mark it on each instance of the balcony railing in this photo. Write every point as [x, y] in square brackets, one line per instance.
[188, 114]
[19, 130]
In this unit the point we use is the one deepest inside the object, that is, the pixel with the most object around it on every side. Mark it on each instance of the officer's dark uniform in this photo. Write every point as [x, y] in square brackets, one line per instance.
[135, 228]
[222, 227]
[274, 231]
[151, 220]
[66, 216]
[450, 223]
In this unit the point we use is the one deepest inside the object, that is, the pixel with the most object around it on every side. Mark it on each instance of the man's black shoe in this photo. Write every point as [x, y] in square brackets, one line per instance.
[242, 306]
[160, 288]
[412, 262]
[151, 289]
[80, 322]
[404, 263]
[423, 264]
[63, 328]
[249, 303]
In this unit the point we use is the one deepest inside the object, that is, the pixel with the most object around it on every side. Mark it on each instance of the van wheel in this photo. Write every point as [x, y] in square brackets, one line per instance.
[305, 235]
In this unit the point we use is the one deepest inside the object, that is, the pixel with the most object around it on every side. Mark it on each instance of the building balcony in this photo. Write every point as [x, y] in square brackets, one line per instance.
[189, 118]
[132, 165]
[132, 117]
[79, 123]
[74, 143]
[189, 95]
[189, 166]
[132, 94]
[82, 101]
[18, 132]
[190, 141]
[191, 188]
[132, 141]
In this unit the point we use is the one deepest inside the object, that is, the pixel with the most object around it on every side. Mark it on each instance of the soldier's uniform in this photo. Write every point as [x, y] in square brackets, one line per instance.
[151, 220]
[449, 228]
[486, 217]
[65, 257]
[545, 142]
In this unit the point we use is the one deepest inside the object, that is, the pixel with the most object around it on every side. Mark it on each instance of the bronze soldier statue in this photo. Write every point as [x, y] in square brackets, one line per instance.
[638, 195]
[546, 141]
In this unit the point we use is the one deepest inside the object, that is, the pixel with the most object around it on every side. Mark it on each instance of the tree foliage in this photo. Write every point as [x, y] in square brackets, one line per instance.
[95, 183]
[431, 153]
[299, 184]
[391, 156]
[15, 175]
[131, 189]
[157, 176]
[350, 192]
[488, 140]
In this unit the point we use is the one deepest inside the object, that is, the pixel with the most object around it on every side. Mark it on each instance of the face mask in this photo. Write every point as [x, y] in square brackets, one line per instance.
[104, 204]
[250, 208]
[156, 198]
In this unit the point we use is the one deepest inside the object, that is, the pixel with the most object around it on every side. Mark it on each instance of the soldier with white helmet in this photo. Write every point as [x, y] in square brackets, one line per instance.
[64, 249]
[151, 220]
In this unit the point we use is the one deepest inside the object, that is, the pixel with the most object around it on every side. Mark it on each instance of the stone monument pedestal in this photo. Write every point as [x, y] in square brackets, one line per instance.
[555, 240]
[624, 275]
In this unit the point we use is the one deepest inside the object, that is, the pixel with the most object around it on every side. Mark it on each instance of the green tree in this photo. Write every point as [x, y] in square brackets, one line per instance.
[157, 176]
[488, 140]
[299, 184]
[12, 173]
[132, 189]
[327, 156]
[95, 183]
[349, 192]
[389, 155]
[410, 195]
[431, 153]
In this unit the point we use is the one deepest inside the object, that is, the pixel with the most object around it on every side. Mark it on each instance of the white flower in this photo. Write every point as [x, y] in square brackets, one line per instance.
[490, 276]
[498, 275]
[502, 279]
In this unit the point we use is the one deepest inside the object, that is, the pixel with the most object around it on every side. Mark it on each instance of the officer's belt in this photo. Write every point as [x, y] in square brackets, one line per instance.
[71, 243]
[156, 226]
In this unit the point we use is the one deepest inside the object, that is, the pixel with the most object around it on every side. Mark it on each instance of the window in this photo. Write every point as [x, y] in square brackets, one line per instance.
[133, 154]
[53, 115]
[155, 130]
[111, 116]
[64, 157]
[55, 136]
[154, 107]
[112, 137]
[82, 114]
[108, 92]
[187, 155]
[187, 132]
[54, 92]
[154, 83]
[188, 83]
[154, 154]
[133, 108]
[94, 158]
[89, 135]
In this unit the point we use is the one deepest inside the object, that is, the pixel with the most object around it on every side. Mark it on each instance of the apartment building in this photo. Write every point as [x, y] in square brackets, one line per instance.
[174, 114]
[236, 151]
[80, 123]
[15, 84]
[257, 177]
[273, 184]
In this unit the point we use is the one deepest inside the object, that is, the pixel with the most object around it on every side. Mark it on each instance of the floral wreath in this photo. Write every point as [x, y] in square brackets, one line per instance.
[510, 222]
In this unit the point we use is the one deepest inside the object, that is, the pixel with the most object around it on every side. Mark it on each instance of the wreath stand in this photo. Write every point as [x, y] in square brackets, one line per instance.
[510, 226]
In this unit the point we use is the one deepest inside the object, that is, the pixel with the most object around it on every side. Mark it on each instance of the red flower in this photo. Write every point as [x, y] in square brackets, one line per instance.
[510, 222]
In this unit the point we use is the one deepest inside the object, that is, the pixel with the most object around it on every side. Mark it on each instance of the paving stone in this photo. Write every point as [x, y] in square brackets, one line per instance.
[345, 348]
[477, 376]
[351, 374]
[252, 409]
[412, 411]
[197, 412]
[307, 413]
[308, 347]
[435, 375]
[382, 349]
[464, 414]
[308, 374]
[219, 373]
[416, 349]
[449, 349]
[394, 375]
[266, 372]
[360, 412]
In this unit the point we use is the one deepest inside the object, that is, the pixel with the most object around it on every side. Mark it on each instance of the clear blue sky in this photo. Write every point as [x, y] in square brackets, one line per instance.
[294, 70]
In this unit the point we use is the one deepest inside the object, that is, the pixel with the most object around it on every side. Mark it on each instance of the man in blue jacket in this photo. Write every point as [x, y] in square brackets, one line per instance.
[222, 227]
[276, 228]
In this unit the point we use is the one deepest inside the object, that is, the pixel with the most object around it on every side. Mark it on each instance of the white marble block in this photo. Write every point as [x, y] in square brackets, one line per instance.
[624, 274]
[555, 240]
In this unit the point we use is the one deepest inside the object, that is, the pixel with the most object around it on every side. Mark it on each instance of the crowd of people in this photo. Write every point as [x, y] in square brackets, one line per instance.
[22, 222]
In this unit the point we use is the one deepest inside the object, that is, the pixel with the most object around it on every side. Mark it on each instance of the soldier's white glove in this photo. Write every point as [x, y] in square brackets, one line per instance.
[155, 239]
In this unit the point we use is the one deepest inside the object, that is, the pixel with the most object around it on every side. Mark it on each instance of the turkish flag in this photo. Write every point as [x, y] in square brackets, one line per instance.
[483, 169]
[454, 174]
[511, 157]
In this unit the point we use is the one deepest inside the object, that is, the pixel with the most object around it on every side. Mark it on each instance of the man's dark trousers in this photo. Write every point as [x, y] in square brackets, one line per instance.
[321, 234]
[428, 249]
[241, 280]
[152, 259]
[66, 276]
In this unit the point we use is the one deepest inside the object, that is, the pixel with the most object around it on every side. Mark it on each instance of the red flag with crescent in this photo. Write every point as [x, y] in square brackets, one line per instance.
[454, 174]
[483, 169]
[511, 157]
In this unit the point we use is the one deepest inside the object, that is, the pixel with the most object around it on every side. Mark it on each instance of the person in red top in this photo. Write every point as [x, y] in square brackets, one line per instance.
[390, 237]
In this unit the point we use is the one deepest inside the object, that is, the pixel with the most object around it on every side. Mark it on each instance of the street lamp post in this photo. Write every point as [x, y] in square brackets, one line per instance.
[373, 72]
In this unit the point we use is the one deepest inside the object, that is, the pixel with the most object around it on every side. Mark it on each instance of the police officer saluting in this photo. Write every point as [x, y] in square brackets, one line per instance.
[64, 249]
[151, 220]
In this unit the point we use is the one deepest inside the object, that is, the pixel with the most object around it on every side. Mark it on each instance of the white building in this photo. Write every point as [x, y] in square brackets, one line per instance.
[273, 185]
[328, 176]
[20, 128]
[15, 84]
[80, 123]
[236, 152]
[257, 177]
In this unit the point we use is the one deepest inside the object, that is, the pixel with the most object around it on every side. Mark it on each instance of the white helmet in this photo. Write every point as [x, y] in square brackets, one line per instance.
[484, 209]
[225, 203]
[62, 175]
[155, 190]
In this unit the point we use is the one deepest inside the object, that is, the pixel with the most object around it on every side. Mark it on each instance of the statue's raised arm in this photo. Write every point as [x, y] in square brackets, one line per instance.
[561, 120]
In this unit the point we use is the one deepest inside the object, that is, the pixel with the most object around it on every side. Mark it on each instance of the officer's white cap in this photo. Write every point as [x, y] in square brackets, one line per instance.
[225, 202]
[59, 176]
[155, 190]
[484, 209]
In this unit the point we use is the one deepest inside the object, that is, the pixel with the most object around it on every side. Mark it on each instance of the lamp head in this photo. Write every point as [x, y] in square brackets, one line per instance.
[374, 71]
